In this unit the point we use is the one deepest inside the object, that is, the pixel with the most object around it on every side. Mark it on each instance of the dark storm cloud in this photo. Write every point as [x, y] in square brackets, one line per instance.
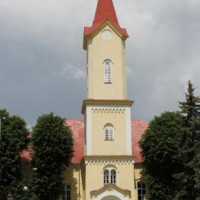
[42, 64]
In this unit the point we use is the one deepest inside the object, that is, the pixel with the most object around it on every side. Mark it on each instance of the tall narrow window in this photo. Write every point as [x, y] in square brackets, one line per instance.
[108, 132]
[113, 176]
[106, 177]
[107, 71]
[141, 190]
[66, 192]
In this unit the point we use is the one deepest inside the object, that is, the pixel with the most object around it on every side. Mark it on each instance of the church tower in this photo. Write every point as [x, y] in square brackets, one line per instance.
[108, 161]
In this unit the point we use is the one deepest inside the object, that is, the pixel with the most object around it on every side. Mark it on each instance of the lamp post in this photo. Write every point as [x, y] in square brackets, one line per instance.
[25, 190]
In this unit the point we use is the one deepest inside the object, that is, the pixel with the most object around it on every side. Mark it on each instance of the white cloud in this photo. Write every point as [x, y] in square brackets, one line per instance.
[73, 72]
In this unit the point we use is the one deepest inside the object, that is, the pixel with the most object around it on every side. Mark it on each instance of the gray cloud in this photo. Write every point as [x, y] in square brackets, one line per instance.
[42, 63]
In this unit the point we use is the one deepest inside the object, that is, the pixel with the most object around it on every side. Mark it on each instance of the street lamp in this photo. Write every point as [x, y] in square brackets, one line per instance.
[25, 190]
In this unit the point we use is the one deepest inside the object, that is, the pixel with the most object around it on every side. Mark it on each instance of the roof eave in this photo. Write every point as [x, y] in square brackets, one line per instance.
[88, 32]
[125, 102]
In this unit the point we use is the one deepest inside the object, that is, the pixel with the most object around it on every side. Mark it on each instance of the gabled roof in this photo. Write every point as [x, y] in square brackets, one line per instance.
[77, 127]
[105, 12]
[138, 128]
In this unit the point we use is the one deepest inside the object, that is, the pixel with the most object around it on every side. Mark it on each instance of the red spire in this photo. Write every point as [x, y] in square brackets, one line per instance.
[105, 11]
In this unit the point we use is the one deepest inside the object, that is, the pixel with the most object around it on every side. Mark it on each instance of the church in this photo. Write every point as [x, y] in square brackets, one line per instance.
[107, 163]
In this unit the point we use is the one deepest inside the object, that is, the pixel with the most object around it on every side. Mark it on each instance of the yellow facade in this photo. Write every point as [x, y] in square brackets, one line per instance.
[107, 170]
[117, 117]
[99, 49]
[129, 174]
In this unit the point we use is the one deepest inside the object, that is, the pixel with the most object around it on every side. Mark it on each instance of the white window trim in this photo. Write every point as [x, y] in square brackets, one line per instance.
[108, 132]
[115, 176]
[109, 179]
[107, 71]
[106, 179]
[142, 188]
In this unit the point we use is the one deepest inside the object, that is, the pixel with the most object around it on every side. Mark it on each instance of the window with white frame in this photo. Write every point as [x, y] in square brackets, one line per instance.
[109, 176]
[113, 176]
[108, 132]
[107, 71]
[141, 190]
[106, 177]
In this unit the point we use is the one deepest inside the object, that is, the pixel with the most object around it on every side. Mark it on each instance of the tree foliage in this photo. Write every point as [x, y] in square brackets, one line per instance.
[171, 151]
[160, 149]
[53, 149]
[189, 177]
[14, 139]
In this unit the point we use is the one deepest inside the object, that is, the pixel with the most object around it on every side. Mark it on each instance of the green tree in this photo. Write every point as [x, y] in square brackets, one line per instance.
[14, 139]
[160, 150]
[53, 149]
[189, 177]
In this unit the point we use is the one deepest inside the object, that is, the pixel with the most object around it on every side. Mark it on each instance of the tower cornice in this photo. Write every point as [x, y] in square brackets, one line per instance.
[103, 102]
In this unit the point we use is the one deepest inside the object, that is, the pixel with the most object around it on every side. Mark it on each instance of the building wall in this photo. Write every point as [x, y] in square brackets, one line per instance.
[128, 175]
[100, 49]
[95, 170]
[74, 177]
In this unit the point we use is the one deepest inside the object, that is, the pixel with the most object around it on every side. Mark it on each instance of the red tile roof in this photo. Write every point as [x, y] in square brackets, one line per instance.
[26, 154]
[138, 127]
[77, 127]
[105, 11]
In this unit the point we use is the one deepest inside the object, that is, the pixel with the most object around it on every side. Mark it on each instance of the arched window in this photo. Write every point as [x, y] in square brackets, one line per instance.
[110, 174]
[113, 176]
[107, 71]
[141, 190]
[108, 132]
[106, 177]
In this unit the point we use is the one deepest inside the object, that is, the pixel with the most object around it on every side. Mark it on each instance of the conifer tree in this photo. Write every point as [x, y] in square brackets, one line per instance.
[52, 144]
[189, 178]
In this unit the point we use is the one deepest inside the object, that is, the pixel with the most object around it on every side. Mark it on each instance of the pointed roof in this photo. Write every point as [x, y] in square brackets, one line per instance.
[105, 11]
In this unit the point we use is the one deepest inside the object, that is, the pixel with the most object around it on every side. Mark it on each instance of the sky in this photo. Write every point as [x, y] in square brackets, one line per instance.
[43, 64]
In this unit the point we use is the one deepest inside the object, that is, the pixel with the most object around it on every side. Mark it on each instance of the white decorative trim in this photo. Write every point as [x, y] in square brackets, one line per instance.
[114, 162]
[107, 109]
[88, 131]
[128, 131]
[111, 193]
